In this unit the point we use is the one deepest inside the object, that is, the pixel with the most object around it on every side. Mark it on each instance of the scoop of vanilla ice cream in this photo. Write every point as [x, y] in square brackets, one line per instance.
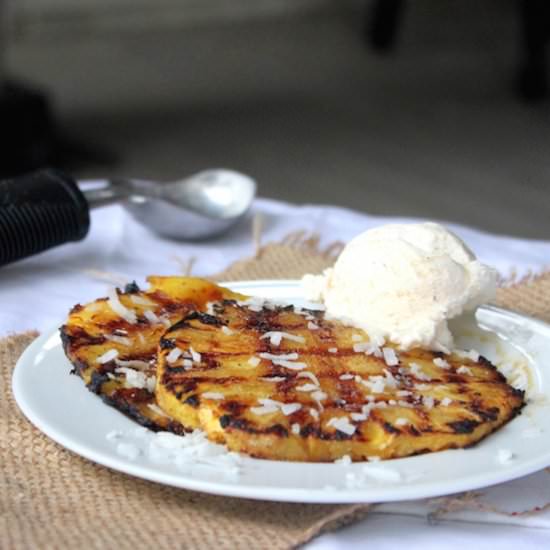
[403, 283]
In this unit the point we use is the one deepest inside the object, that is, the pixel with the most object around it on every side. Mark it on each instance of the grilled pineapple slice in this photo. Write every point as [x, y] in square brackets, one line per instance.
[112, 342]
[287, 384]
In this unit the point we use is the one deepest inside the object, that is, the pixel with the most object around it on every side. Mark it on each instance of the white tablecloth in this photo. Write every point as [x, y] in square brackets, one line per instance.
[38, 292]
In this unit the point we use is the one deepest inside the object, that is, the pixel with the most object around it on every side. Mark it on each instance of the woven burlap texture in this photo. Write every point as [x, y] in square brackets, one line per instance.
[51, 498]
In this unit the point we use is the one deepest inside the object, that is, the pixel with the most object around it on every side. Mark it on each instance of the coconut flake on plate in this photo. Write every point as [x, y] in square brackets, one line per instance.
[343, 461]
[505, 456]
[347, 376]
[128, 450]
[227, 331]
[332, 350]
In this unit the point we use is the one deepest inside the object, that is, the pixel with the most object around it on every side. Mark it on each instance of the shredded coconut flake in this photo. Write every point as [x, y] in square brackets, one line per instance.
[213, 395]
[270, 406]
[127, 450]
[173, 355]
[314, 413]
[390, 357]
[333, 350]
[155, 408]
[273, 378]
[119, 308]
[290, 408]
[307, 387]
[107, 356]
[383, 474]
[195, 355]
[283, 356]
[446, 401]
[416, 371]
[310, 375]
[133, 364]
[292, 365]
[428, 401]
[140, 300]
[137, 379]
[344, 461]
[346, 377]
[441, 363]
[319, 395]
[226, 330]
[342, 424]
[254, 361]
[463, 370]
[312, 326]
[275, 337]
[295, 428]
[401, 421]
[113, 435]
[151, 316]
[505, 456]
[187, 364]
[472, 354]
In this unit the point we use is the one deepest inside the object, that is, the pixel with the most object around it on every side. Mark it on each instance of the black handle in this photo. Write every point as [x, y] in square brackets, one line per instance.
[39, 211]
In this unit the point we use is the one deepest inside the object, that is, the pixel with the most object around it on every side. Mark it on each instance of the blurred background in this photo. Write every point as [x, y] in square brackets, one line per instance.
[432, 108]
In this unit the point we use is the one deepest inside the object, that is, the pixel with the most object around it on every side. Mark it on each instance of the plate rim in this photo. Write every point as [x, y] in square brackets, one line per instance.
[303, 495]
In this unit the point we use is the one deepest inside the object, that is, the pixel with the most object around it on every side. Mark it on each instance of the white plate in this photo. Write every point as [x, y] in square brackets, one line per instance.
[60, 406]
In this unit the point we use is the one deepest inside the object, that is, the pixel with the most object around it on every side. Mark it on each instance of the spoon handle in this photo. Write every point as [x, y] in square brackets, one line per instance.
[39, 211]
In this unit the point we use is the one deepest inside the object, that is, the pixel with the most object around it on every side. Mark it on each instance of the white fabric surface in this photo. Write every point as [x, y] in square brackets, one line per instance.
[38, 292]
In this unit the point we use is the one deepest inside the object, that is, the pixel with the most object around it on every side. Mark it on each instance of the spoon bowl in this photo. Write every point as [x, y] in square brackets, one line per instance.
[201, 206]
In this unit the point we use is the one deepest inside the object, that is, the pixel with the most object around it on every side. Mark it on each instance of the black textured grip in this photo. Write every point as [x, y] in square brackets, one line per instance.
[39, 211]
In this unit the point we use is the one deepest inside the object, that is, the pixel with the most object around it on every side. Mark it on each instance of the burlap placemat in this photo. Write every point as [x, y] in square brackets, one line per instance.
[51, 498]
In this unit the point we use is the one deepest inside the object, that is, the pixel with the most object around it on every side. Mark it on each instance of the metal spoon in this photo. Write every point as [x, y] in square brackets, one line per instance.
[48, 208]
[196, 207]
